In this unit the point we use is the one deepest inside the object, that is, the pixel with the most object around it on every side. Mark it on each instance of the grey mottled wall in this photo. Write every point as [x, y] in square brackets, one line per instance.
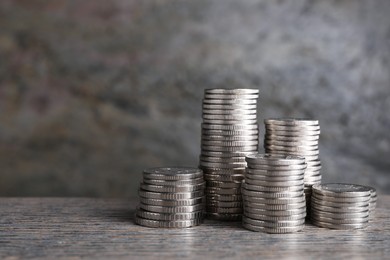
[93, 91]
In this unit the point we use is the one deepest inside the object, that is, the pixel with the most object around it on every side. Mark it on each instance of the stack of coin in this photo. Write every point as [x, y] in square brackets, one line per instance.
[340, 206]
[274, 200]
[229, 132]
[296, 137]
[171, 198]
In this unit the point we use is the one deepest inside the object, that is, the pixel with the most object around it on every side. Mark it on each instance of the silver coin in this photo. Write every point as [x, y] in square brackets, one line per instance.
[274, 201]
[281, 230]
[224, 210]
[315, 217]
[276, 224]
[292, 143]
[291, 121]
[172, 173]
[229, 111]
[339, 226]
[230, 133]
[230, 122]
[173, 183]
[237, 91]
[341, 199]
[339, 215]
[226, 198]
[248, 204]
[350, 209]
[221, 165]
[273, 178]
[230, 143]
[225, 154]
[183, 188]
[224, 217]
[224, 204]
[275, 218]
[221, 138]
[170, 196]
[231, 96]
[342, 190]
[223, 184]
[293, 128]
[214, 148]
[252, 168]
[271, 189]
[272, 137]
[230, 117]
[229, 101]
[222, 191]
[273, 150]
[274, 159]
[292, 133]
[271, 195]
[229, 107]
[236, 127]
[274, 183]
[167, 224]
[169, 216]
[224, 177]
[172, 203]
[178, 209]
[292, 148]
[240, 159]
[273, 173]
[224, 171]
[275, 212]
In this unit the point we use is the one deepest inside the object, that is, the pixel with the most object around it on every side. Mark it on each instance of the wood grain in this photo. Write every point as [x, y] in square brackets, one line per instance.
[103, 228]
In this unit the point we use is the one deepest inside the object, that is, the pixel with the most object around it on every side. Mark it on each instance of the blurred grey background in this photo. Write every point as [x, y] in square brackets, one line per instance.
[94, 91]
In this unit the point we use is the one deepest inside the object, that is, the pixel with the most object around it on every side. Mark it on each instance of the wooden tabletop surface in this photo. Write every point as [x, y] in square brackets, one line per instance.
[56, 228]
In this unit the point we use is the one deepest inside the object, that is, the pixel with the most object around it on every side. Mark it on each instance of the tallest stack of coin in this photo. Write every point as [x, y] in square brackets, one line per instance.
[229, 133]
[296, 137]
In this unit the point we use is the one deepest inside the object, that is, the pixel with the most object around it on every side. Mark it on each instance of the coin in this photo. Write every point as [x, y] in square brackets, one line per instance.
[273, 178]
[267, 183]
[291, 121]
[271, 189]
[224, 204]
[292, 143]
[341, 199]
[222, 165]
[293, 133]
[282, 230]
[230, 122]
[230, 101]
[177, 209]
[340, 215]
[214, 148]
[223, 184]
[253, 168]
[225, 154]
[276, 212]
[272, 137]
[342, 190]
[222, 191]
[227, 198]
[276, 218]
[280, 194]
[236, 91]
[224, 177]
[173, 183]
[253, 173]
[169, 216]
[239, 138]
[166, 224]
[274, 206]
[315, 217]
[234, 111]
[230, 106]
[277, 224]
[170, 196]
[221, 210]
[234, 127]
[230, 117]
[224, 171]
[172, 173]
[183, 188]
[172, 203]
[271, 159]
[340, 226]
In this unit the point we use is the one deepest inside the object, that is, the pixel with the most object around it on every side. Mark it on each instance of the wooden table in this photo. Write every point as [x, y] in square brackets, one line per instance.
[103, 228]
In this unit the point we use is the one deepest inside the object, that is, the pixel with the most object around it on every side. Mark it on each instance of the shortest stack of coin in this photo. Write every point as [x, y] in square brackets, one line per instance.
[340, 206]
[273, 195]
[171, 198]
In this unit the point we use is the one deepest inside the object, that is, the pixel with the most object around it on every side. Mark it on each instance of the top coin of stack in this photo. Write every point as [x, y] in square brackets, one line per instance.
[171, 198]
[340, 206]
[274, 201]
[229, 132]
[296, 137]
